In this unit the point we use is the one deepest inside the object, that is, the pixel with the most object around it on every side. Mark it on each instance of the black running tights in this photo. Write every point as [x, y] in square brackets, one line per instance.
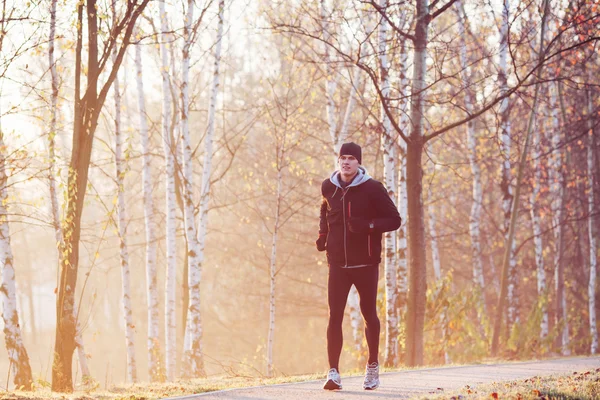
[339, 282]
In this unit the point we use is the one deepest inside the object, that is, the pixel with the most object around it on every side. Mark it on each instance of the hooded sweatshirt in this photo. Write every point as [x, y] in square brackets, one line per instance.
[364, 205]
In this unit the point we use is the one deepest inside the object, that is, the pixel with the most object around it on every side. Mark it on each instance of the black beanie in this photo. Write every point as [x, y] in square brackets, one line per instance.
[351, 149]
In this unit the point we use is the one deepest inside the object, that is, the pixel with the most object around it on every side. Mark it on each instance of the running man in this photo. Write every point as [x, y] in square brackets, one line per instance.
[355, 212]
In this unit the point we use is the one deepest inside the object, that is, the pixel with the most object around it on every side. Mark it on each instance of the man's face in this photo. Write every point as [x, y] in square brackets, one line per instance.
[348, 166]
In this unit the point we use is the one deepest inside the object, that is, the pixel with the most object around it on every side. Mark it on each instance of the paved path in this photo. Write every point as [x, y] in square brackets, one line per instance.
[403, 385]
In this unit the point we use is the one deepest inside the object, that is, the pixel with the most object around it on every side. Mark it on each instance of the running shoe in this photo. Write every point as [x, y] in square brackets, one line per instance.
[371, 377]
[334, 380]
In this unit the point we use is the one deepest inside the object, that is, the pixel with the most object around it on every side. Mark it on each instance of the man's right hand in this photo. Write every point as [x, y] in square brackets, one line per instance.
[321, 243]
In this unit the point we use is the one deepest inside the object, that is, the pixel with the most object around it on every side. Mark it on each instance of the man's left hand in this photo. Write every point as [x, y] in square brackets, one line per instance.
[359, 225]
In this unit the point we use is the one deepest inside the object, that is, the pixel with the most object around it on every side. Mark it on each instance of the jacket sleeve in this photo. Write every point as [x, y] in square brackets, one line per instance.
[387, 216]
[323, 227]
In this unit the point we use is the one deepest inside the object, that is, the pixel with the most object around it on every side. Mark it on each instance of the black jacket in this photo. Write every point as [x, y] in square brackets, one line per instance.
[353, 219]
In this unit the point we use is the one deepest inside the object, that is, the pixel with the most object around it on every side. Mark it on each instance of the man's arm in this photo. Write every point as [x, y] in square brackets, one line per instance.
[323, 227]
[387, 216]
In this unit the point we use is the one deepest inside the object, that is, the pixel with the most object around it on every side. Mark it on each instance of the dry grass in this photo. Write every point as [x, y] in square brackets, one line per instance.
[148, 391]
[577, 386]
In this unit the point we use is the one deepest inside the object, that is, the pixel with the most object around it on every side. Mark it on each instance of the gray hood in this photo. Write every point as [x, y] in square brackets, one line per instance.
[361, 177]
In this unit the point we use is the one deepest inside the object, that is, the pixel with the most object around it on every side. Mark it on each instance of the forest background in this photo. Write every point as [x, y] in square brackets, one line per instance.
[160, 170]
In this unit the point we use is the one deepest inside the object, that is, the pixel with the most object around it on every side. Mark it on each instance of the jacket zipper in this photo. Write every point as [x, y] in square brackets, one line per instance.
[344, 215]
[369, 244]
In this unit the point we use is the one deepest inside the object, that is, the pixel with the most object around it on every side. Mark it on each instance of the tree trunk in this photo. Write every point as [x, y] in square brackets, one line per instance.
[477, 192]
[537, 232]
[591, 230]
[54, 204]
[417, 297]
[154, 350]
[122, 229]
[505, 132]
[171, 207]
[207, 166]
[273, 270]
[561, 321]
[389, 162]
[193, 363]
[402, 242]
[515, 206]
[437, 269]
[555, 185]
[86, 112]
[17, 354]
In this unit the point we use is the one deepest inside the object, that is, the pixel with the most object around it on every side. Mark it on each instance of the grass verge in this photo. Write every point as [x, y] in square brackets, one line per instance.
[577, 386]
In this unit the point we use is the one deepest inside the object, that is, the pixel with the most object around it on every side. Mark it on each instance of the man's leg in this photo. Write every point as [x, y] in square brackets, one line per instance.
[365, 279]
[338, 287]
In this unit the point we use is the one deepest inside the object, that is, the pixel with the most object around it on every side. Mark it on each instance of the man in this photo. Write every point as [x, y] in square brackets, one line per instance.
[355, 212]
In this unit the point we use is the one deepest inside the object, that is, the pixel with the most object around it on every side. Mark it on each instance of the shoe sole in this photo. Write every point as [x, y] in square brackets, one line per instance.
[371, 387]
[331, 385]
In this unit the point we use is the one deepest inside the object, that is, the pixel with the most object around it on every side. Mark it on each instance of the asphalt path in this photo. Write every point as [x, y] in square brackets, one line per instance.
[404, 384]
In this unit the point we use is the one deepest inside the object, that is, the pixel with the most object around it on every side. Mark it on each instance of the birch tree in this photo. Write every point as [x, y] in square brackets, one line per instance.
[505, 137]
[558, 190]
[17, 354]
[153, 343]
[273, 266]
[170, 201]
[504, 291]
[555, 176]
[390, 170]
[477, 191]
[86, 113]
[437, 267]
[193, 359]
[121, 170]
[404, 124]
[537, 229]
[194, 335]
[591, 227]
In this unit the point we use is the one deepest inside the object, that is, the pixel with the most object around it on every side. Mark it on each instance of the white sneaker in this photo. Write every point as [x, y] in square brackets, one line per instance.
[334, 380]
[371, 377]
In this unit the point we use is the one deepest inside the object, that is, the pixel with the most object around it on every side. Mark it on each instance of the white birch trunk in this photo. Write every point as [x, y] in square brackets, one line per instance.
[477, 191]
[86, 376]
[402, 243]
[193, 360]
[389, 162]
[272, 272]
[435, 253]
[53, 131]
[153, 343]
[171, 206]
[591, 231]
[17, 354]
[437, 268]
[556, 195]
[122, 229]
[537, 230]
[505, 129]
[208, 155]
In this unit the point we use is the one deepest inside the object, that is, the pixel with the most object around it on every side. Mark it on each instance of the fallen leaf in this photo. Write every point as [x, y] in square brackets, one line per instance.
[495, 395]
